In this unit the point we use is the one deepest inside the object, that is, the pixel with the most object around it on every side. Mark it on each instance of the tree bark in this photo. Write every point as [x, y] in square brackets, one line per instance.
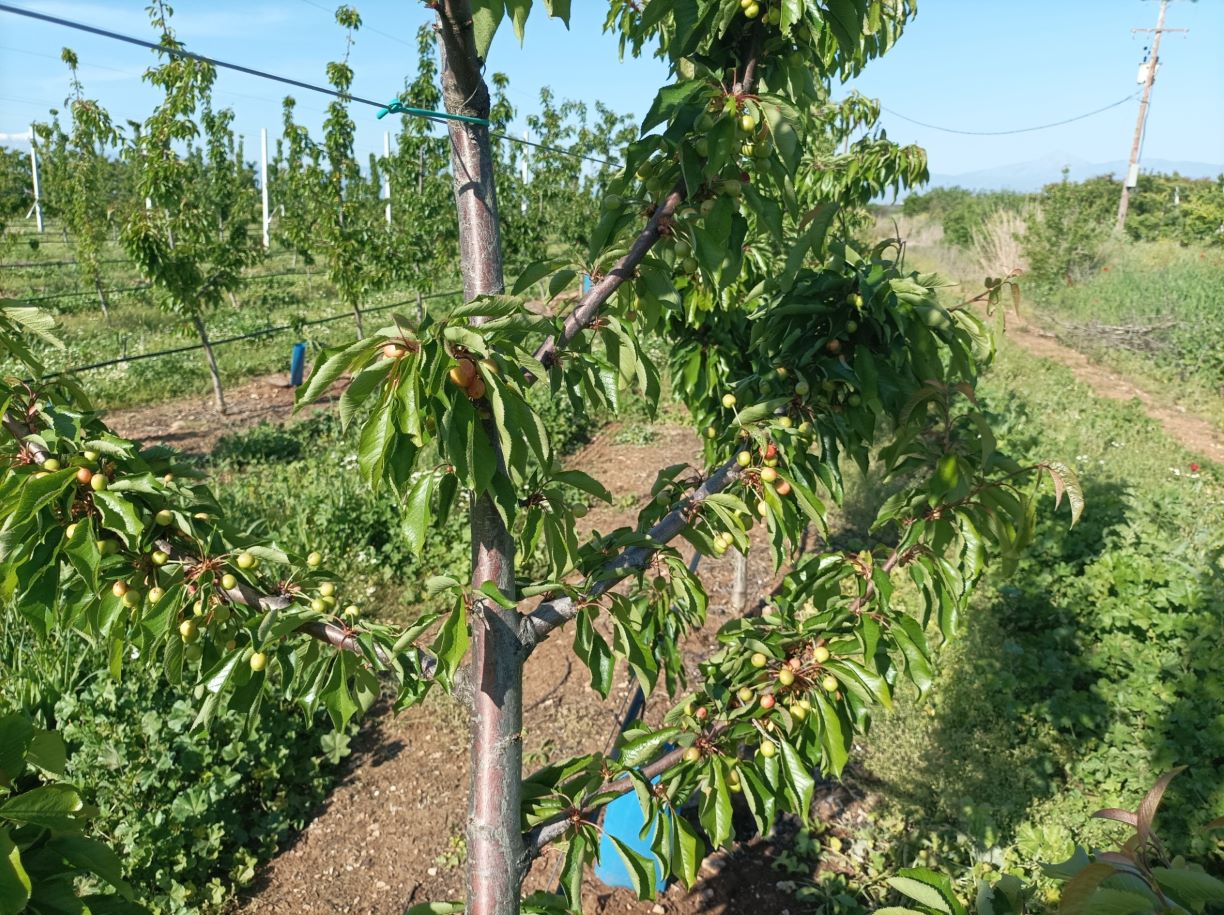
[358, 319]
[218, 394]
[102, 297]
[496, 859]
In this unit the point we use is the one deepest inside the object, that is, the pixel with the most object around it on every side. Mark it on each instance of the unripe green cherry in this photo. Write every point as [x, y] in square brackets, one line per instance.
[759, 659]
[228, 582]
[768, 474]
[259, 661]
[188, 631]
[159, 557]
[728, 401]
[164, 517]
[743, 458]
[745, 694]
[98, 482]
[692, 755]
[314, 560]
[51, 465]
[786, 676]
[327, 588]
[156, 594]
[802, 388]
[820, 655]
[768, 750]
[829, 684]
[245, 560]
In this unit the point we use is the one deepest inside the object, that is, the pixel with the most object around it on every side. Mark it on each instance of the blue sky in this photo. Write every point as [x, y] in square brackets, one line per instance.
[971, 64]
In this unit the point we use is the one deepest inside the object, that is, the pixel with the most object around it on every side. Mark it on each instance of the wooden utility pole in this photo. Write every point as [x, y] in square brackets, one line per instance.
[1132, 171]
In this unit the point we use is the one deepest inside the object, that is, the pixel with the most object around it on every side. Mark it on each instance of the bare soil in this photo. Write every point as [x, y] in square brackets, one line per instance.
[193, 424]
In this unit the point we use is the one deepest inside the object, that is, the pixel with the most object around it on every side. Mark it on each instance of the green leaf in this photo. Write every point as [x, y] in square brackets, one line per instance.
[642, 749]
[16, 735]
[922, 892]
[641, 870]
[119, 516]
[326, 373]
[417, 517]
[668, 101]
[519, 11]
[50, 806]
[799, 776]
[691, 852]
[533, 273]
[93, 856]
[1193, 889]
[492, 592]
[486, 17]
[451, 644]
[14, 881]
[47, 752]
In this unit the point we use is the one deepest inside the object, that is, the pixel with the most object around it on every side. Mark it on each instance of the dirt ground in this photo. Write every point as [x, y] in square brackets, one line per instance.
[391, 833]
[1194, 432]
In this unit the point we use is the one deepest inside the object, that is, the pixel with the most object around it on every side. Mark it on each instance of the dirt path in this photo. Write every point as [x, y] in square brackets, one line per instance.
[1195, 433]
[193, 424]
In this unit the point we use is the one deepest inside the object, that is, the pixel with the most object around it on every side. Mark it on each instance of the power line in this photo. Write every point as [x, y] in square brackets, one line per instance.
[1002, 133]
[439, 117]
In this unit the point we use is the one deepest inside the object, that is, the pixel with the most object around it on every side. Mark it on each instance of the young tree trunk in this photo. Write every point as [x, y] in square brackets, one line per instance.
[233, 298]
[358, 320]
[495, 843]
[102, 297]
[420, 306]
[218, 394]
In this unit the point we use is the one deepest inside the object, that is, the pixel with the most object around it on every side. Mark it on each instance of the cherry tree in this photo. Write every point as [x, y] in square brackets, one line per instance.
[797, 351]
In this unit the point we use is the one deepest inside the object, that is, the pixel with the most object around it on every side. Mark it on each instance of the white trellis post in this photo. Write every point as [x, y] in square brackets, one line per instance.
[526, 153]
[34, 173]
[387, 172]
[263, 182]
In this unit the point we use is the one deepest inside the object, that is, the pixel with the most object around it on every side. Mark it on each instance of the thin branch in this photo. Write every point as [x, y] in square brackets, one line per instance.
[550, 615]
[626, 268]
[542, 835]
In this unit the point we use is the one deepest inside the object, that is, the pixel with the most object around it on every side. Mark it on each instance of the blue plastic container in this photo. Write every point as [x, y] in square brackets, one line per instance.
[297, 364]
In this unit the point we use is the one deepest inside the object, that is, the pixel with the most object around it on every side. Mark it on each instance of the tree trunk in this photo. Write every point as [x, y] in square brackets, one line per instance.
[357, 319]
[218, 394]
[233, 298]
[420, 306]
[496, 859]
[739, 581]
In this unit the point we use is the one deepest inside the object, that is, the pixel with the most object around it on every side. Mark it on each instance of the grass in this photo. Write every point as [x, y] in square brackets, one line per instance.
[137, 323]
[1079, 680]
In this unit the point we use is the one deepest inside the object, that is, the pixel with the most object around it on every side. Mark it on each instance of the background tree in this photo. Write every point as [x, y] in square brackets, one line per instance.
[192, 242]
[84, 200]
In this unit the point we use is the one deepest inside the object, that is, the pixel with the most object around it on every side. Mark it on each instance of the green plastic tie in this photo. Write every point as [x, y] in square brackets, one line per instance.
[395, 106]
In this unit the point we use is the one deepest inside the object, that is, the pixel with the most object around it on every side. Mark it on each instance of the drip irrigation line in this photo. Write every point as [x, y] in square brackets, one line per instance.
[123, 289]
[1002, 133]
[30, 264]
[383, 107]
[263, 332]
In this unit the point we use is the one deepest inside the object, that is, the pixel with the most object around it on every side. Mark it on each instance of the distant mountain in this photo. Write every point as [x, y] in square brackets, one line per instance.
[1032, 175]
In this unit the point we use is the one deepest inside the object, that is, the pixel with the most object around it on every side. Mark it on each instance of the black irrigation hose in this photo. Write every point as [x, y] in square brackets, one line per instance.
[30, 264]
[264, 332]
[92, 292]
